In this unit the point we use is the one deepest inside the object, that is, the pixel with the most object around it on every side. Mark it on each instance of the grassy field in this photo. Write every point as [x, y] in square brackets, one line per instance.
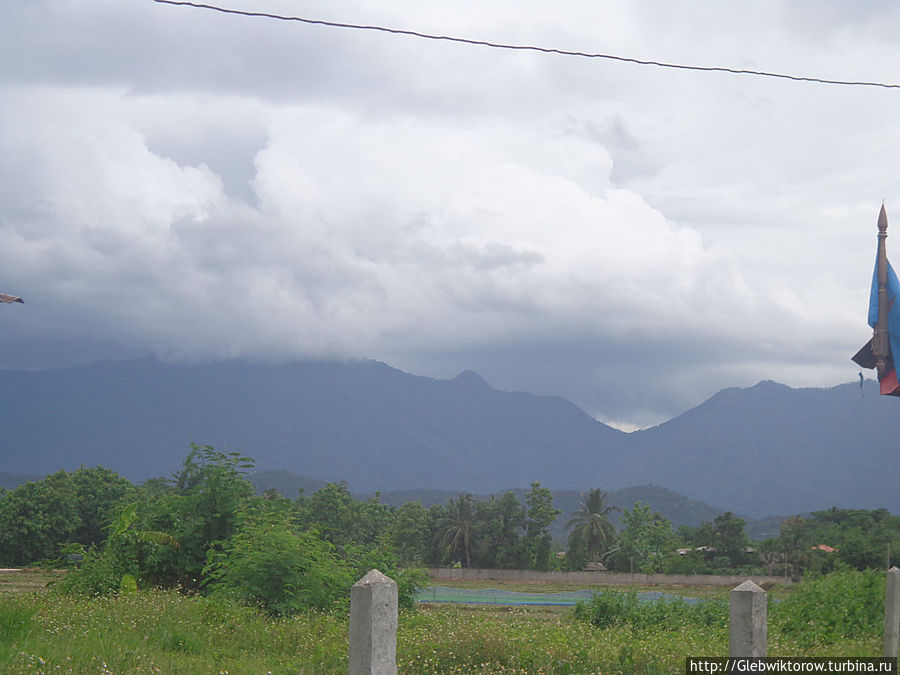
[166, 632]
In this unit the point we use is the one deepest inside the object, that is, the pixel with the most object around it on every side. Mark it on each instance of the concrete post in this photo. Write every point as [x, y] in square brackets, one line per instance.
[892, 613]
[373, 625]
[747, 620]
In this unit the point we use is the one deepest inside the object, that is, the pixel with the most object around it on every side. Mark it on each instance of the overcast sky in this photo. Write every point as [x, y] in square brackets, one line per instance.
[198, 186]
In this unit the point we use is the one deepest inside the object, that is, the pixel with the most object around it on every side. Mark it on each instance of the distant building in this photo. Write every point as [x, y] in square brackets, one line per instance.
[824, 547]
[595, 567]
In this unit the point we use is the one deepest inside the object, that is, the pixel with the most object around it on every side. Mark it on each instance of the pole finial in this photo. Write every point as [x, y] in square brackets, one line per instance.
[882, 219]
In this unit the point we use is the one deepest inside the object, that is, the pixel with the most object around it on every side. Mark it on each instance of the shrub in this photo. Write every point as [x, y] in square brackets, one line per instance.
[617, 608]
[269, 564]
[383, 557]
[846, 604]
[101, 572]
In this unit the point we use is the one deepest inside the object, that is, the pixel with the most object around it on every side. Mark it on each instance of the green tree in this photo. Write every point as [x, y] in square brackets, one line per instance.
[284, 570]
[540, 516]
[498, 526]
[796, 545]
[590, 525]
[98, 495]
[458, 527]
[200, 511]
[646, 541]
[437, 553]
[410, 533]
[343, 520]
[38, 518]
[725, 536]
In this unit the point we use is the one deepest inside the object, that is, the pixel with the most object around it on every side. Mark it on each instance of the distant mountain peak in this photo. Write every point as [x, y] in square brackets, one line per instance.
[769, 385]
[469, 378]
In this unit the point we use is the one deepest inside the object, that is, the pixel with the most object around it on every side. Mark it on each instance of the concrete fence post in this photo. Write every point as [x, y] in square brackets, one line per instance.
[373, 625]
[892, 613]
[747, 620]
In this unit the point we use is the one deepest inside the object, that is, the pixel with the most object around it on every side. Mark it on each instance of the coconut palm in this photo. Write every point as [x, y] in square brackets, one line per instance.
[458, 526]
[591, 522]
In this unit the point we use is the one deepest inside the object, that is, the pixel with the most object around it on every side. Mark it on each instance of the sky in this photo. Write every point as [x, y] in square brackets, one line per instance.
[199, 186]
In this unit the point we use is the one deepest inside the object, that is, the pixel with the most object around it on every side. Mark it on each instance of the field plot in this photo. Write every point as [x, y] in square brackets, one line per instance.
[26, 580]
[507, 597]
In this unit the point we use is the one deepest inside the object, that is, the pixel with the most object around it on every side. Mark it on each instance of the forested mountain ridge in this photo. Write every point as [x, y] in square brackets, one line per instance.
[758, 451]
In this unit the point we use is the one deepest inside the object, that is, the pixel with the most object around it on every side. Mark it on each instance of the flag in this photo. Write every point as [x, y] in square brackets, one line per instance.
[885, 320]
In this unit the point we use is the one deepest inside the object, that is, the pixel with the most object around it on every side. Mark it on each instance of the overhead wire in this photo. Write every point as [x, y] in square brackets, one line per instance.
[532, 48]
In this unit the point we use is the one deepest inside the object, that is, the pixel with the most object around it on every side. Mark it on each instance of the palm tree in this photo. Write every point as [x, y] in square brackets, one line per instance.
[591, 522]
[457, 527]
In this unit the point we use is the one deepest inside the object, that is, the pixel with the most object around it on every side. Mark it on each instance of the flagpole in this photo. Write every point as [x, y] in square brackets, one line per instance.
[880, 347]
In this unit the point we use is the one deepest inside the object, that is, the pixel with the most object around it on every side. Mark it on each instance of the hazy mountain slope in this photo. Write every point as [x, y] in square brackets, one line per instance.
[772, 449]
[364, 422]
[757, 451]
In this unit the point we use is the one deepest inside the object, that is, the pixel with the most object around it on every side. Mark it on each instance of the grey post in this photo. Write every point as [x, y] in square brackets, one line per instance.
[747, 620]
[892, 613]
[373, 625]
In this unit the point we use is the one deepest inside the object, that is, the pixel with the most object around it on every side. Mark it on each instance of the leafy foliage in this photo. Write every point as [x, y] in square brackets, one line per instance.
[199, 510]
[269, 563]
[593, 532]
[39, 517]
[618, 608]
[724, 540]
[117, 567]
[540, 516]
[848, 604]
[458, 527]
[647, 540]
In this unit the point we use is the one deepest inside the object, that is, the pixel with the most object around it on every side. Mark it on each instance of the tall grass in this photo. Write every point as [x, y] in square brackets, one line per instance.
[166, 632]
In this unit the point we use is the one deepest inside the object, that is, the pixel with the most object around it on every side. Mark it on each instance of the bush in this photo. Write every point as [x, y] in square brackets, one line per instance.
[848, 604]
[617, 608]
[99, 575]
[383, 557]
[122, 561]
[269, 564]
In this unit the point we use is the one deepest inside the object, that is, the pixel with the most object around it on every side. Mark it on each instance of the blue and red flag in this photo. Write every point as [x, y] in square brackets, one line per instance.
[884, 318]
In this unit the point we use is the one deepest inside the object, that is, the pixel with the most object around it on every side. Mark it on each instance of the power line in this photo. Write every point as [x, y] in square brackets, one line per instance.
[531, 48]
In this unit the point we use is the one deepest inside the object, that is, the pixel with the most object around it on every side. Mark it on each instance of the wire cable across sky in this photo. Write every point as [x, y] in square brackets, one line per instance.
[531, 48]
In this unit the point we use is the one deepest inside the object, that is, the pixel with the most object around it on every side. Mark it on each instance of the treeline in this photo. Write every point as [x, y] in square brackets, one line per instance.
[205, 527]
[207, 500]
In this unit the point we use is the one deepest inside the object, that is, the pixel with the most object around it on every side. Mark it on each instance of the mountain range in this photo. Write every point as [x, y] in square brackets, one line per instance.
[762, 450]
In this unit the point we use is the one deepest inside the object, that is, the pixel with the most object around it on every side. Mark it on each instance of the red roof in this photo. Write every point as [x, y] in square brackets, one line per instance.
[824, 547]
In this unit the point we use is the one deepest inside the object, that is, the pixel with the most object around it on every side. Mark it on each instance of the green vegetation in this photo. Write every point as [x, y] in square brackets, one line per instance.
[592, 532]
[206, 532]
[840, 606]
[198, 574]
[162, 632]
[38, 517]
[647, 540]
[618, 608]
[200, 508]
[169, 631]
